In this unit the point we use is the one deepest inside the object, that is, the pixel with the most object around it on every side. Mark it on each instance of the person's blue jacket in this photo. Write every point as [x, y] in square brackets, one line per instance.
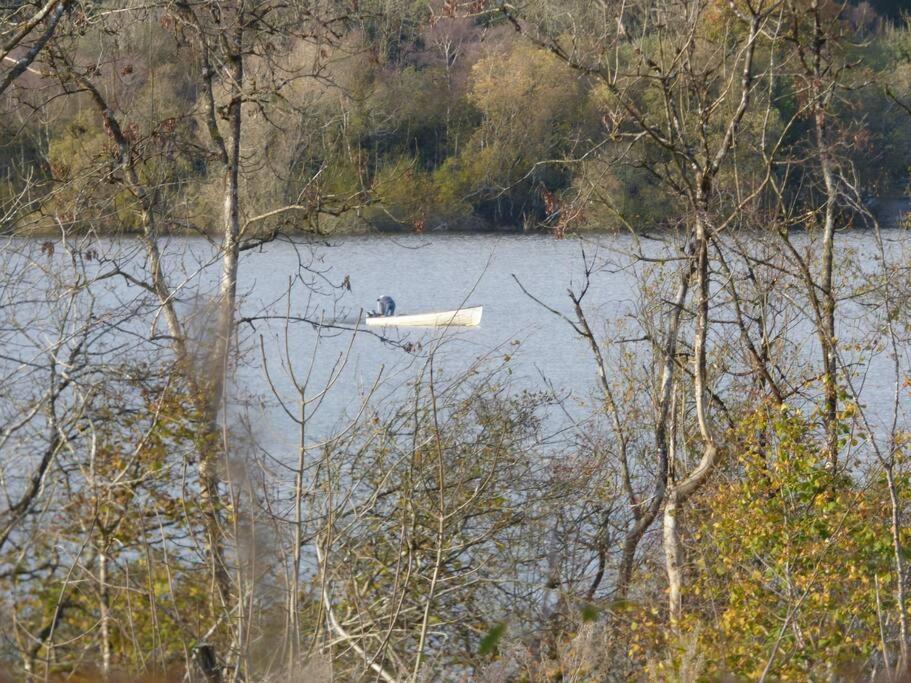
[385, 305]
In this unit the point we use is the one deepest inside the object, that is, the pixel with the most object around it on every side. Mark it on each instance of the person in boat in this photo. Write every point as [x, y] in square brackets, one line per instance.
[385, 306]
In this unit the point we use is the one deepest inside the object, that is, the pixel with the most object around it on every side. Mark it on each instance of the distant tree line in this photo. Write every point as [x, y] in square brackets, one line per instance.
[435, 119]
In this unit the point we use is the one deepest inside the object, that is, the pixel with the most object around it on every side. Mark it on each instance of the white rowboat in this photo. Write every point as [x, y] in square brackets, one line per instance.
[464, 317]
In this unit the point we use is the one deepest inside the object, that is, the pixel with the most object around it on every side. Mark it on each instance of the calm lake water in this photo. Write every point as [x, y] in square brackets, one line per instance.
[425, 273]
[433, 273]
[428, 273]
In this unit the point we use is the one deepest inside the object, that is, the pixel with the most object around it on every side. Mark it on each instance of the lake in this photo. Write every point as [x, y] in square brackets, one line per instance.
[432, 273]
[422, 273]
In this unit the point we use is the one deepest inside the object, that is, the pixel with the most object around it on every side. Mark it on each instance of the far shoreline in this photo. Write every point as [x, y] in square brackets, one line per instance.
[891, 213]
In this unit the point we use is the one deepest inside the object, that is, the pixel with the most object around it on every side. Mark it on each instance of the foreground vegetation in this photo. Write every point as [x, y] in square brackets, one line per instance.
[735, 501]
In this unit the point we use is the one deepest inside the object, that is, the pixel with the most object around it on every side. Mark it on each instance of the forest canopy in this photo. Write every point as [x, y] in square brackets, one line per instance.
[418, 118]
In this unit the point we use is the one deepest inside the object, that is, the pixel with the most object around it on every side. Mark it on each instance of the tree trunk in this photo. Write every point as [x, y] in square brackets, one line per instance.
[645, 518]
[680, 492]
[212, 447]
[104, 601]
[900, 597]
[672, 559]
[827, 324]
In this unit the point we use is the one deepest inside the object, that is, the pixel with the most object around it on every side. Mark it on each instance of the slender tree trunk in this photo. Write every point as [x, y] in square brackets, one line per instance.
[672, 558]
[105, 609]
[899, 569]
[680, 492]
[646, 516]
[231, 236]
[294, 629]
[826, 326]
[827, 331]
[212, 448]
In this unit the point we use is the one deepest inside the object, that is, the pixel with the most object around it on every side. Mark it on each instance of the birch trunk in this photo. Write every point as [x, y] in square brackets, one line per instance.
[672, 559]
[213, 448]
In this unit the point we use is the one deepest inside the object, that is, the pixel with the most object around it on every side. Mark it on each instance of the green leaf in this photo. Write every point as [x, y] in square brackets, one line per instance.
[489, 642]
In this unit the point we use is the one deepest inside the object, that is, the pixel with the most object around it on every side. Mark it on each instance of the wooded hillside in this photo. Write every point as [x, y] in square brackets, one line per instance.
[419, 115]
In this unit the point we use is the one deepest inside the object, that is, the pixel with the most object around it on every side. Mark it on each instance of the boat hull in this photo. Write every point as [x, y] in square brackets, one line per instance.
[463, 317]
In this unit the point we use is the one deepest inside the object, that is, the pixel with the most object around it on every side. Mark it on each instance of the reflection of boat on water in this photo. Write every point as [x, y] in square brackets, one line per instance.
[463, 317]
